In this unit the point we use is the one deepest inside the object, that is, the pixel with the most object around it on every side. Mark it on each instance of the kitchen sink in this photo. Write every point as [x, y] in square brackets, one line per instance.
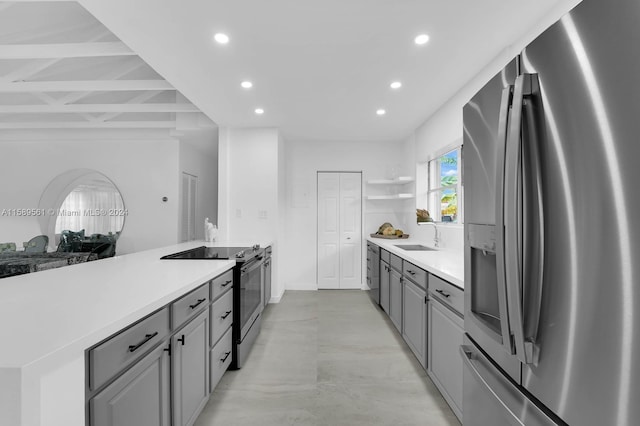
[415, 247]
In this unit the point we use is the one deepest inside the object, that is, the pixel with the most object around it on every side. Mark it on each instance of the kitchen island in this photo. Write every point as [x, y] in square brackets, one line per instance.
[48, 319]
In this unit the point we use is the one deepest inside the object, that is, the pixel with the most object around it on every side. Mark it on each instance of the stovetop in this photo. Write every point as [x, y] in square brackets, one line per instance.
[239, 253]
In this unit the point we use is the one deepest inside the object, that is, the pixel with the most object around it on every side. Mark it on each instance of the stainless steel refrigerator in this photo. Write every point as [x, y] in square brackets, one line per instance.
[552, 232]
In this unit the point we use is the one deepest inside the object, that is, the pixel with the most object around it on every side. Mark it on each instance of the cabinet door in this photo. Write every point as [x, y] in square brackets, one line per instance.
[395, 298]
[190, 370]
[414, 313]
[139, 397]
[384, 286]
[446, 334]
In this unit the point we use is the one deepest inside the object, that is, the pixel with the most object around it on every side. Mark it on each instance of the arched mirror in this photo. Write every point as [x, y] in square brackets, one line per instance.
[85, 207]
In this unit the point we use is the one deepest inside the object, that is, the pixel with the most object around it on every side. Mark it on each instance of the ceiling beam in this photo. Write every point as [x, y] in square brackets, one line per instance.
[130, 64]
[140, 99]
[64, 50]
[91, 108]
[89, 125]
[34, 67]
[84, 86]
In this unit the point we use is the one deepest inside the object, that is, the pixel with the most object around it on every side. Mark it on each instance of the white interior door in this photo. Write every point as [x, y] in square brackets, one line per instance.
[188, 207]
[339, 230]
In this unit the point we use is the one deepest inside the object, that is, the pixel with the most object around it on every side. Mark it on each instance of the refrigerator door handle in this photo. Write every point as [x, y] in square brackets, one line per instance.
[533, 217]
[467, 356]
[513, 225]
[503, 123]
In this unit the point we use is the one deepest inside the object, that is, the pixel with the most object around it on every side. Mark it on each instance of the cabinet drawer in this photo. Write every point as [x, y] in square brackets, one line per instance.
[189, 305]
[122, 349]
[220, 359]
[384, 255]
[395, 262]
[415, 274]
[221, 283]
[221, 316]
[447, 293]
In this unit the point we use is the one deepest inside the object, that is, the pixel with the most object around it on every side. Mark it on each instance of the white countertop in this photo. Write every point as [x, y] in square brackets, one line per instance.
[48, 315]
[49, 318]
[447, 264]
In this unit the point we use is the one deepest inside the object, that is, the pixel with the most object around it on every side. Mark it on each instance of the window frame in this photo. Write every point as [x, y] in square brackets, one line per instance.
[432, 173]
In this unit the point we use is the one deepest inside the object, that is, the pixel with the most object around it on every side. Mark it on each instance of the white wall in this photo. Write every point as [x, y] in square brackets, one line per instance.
[250, 191]
[303, 161]
[251, 182]
[143, 170]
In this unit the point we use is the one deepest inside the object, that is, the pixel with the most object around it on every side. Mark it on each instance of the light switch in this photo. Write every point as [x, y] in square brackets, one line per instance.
[238, 213]
[262, 214]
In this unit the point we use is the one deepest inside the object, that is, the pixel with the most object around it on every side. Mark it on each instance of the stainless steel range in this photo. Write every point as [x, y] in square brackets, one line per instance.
[247, 292]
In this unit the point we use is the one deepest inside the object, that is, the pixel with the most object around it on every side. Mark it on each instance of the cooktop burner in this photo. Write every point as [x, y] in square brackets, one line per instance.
[238, 253]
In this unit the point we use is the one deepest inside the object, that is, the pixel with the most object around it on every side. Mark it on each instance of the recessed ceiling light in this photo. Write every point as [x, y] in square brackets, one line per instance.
[259, 111]
[221, 38]
[246, 84]
[381, 112]
[422, 39]
[396, 85]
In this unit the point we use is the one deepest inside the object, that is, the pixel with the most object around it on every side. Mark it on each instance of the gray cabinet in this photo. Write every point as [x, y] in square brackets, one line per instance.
[266, 277]
[414, 315]
[373, 271]
[220, 358]
[190, 370]
[385, 276]
[220, 340]
[139, 397]
[446, 333]
[156, 372]
[114, 355]
[395, 298]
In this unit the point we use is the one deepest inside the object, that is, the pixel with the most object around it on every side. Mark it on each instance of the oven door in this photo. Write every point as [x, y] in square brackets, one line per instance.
[250, 293]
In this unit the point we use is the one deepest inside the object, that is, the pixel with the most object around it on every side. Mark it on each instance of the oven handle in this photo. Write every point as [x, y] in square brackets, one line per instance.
[250, 265]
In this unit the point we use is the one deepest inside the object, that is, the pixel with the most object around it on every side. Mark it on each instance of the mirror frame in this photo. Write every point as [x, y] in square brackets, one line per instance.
[57, 191]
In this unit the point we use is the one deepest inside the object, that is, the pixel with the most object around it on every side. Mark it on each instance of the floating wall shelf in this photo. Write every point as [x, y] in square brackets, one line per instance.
[402, 180]
[390, 197]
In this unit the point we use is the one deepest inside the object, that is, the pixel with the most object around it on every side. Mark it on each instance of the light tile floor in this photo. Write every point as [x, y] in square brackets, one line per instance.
[327, 358]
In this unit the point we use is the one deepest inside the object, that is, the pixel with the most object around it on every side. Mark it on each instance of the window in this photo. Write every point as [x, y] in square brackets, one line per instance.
[444, 194]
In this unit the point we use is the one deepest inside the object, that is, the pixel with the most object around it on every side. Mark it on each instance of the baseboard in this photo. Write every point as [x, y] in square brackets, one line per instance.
[278, 298]
[302, 286]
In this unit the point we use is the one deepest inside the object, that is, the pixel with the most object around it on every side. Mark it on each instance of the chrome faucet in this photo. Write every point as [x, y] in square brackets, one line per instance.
[436, 236]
